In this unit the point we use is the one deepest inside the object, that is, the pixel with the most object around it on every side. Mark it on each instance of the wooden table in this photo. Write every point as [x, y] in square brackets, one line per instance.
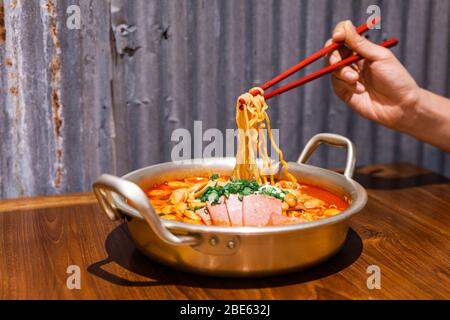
[404, 230]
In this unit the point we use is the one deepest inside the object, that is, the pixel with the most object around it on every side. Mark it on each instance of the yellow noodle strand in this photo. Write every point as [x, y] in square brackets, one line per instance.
[252, 117]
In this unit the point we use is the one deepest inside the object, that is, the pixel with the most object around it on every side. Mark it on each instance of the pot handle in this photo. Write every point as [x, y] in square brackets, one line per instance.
[106, 185]
[335, 140]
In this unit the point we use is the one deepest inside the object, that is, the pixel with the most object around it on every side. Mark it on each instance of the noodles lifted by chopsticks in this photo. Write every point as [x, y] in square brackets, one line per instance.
[251, 120]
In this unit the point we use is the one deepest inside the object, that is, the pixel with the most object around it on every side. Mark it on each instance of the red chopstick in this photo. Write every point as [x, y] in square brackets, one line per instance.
[387, 44]
[361, 29]
[333, 46]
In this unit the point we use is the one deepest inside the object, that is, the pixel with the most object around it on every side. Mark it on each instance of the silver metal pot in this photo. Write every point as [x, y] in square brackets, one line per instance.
[232, 251]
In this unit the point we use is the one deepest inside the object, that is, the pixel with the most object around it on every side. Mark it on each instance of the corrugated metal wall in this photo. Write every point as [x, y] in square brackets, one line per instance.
[106, 98]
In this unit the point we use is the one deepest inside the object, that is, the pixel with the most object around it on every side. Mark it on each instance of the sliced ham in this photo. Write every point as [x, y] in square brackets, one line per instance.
[279, 220]
[234, 207]
[257, 209]
[219, 213]
[206, 217]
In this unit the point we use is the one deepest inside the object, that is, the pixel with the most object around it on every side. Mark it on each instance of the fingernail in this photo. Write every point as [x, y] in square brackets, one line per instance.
[333, 60]
[360, 87]
[350, 75]
[350, 24]
[337, 34]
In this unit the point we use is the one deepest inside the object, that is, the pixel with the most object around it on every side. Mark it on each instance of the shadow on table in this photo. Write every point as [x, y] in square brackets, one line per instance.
[372, 180]
[123, 252]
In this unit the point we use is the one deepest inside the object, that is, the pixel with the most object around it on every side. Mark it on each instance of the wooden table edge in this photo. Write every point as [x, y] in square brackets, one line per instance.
[44, 202]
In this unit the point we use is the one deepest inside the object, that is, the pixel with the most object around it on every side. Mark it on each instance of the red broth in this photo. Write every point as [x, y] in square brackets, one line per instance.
[328, 197]
[182, 207]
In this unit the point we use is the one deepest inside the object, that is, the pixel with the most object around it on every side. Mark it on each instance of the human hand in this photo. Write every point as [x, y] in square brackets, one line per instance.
[377, 87]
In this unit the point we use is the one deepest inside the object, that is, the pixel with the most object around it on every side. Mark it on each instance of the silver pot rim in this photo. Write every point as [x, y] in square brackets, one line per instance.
[112, 191]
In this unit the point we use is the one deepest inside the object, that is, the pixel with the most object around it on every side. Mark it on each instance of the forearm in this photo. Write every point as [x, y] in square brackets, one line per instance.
[429, 120]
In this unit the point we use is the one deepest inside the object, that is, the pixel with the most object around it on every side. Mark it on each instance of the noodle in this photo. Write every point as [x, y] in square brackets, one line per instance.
[251, 119]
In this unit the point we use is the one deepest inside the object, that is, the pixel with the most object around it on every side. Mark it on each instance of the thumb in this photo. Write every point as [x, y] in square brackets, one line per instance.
[362, 46]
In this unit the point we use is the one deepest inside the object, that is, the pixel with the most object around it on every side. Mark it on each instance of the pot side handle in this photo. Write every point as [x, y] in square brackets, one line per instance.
[106, 185]
[335, 140]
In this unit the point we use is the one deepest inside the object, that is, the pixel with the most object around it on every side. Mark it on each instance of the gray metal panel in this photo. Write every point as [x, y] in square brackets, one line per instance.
[385, 142]
[414, 61]
[289, 106]
[338, 116]
[106, 98]
[138, 114]
[436, 75]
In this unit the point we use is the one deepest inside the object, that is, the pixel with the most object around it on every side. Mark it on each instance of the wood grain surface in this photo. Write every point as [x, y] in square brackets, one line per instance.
[404, 230]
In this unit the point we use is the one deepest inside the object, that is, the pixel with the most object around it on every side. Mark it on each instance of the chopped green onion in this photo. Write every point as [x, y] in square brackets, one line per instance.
[214, 177]
[241, 188]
